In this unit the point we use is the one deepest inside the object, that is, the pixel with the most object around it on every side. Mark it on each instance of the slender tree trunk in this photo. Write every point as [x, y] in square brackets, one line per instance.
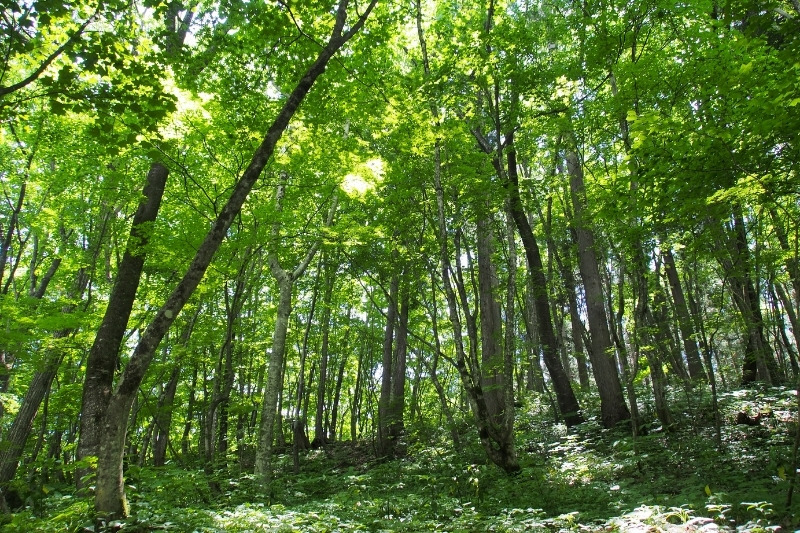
[285, 280]
[434, 365]
[263, 466]
[187, 426]
[759, 362]
[325, 324]
[397, 401]
[385, 444]
[163, 418]
[696, 371]
[643, 341]
[612, 403]
[337, 396]
[565, 396]
[534, 379]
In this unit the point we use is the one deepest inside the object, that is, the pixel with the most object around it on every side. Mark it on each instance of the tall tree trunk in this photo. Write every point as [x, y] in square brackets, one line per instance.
[397, 400]
[263, 465]
[385, 443]
[433, 368]
[565, 396]
[612, 403]
[104, 354]
[759, 363]
[491, 327]
[285, 280]
[696, 371]
[325, 324]
[643, 339]
[163, 418]
[187, 426]
[110, 501]
[534, 378]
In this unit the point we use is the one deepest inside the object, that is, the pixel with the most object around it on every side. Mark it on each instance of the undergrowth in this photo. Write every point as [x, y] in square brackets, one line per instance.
[582, 479]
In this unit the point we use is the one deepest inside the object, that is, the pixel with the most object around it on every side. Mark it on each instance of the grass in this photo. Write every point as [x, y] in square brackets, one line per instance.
[584, 479]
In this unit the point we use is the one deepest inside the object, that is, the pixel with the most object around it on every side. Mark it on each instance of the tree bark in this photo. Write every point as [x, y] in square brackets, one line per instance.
[385, 448]
[285, 280]
[397, 400]
[104, 354]
[322, 381]
[612, 403]
[565, 396]
[696, 371]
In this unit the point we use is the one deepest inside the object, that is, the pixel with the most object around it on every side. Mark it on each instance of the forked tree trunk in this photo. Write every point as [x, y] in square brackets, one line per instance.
[110, 501]
[263, 465]
[104, 355]
[285, 280]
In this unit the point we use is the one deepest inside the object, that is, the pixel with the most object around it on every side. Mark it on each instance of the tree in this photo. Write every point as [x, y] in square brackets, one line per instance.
[110, 495]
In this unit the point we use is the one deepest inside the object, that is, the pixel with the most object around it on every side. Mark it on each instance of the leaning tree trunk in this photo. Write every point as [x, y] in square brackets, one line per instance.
[565, 396]
[110, 500]
[104, 355]
[696, 371]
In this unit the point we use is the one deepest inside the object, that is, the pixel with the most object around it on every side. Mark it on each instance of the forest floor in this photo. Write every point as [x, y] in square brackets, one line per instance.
[584, 479]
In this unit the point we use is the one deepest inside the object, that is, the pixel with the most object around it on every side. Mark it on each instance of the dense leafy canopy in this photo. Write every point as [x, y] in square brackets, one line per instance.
[381, 293]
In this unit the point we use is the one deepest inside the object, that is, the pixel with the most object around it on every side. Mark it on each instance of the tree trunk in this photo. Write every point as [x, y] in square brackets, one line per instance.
[110, 501]
[104, 355]
[322, 381]
[759, 362]
[263, 466]
[643, 341]
[696, 371]
[397, 400]
[565, 396]
[163, 418]
[534, 377]
[285, 280]
[612, 403]
[385, 448]
[491, 370]
[433, 367]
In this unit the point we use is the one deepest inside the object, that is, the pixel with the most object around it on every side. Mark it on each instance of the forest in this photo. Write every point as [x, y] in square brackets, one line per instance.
[399, 265]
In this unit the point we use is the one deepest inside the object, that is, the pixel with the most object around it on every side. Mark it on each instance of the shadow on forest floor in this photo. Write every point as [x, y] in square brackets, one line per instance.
[584, 479]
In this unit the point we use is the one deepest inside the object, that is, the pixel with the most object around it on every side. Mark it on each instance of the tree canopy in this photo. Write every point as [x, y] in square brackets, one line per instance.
[236, 232]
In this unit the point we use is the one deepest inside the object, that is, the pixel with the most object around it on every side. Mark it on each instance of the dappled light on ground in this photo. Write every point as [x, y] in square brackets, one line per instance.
[585, 479]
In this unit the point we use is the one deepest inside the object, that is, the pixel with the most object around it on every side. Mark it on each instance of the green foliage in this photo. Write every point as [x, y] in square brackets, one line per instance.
[588, 479]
